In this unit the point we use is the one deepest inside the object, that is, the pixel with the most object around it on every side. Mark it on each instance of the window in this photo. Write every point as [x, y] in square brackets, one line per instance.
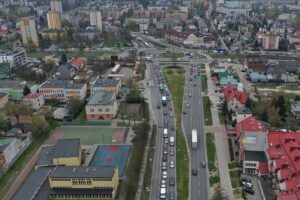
[92, 110]
[99, 109]
[107, 109]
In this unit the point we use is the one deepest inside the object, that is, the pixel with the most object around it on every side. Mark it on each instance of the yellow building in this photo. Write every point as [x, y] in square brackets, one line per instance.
[106, 85]
[3, 100]
[54, 34]
[54, 20]
[83, 182]
[67, 152]
[29, 31]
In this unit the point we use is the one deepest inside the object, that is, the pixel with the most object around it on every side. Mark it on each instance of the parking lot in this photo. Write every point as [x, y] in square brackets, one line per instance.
[257, 193]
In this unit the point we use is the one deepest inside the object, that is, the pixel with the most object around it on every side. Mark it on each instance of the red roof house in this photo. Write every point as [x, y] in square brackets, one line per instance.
[250, 124]
[234, 98]
[284, 152]
[77, 63]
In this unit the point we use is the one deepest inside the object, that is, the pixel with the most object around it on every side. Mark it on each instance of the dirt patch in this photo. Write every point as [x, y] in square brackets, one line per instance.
[54, 136]
[131, 109]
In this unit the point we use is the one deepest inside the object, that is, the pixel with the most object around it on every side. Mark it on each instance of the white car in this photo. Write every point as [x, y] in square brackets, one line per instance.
[163, 183]
[164, 175]
[172, 164]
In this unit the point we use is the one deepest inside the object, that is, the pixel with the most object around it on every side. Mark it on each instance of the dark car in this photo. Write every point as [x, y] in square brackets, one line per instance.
[158, 106]
[203, 164]
[165, 112]
[248, 190]
[184, 112]
[245, 179]
[171, 153]
[172, 128]
[172, 196]
[165, 158]
[172, 181]
[194, 172]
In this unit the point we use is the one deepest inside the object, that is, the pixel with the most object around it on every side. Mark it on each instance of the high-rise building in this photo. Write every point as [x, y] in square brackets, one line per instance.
[29, 32]
[270, 42]
[56, 6]
[96, 20]
[53, 18]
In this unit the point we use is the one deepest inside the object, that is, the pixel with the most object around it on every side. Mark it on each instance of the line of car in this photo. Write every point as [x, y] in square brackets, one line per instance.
[247, 185]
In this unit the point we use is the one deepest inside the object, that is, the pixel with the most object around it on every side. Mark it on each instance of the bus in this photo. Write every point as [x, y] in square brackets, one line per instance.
[161, 88]
[194, 139]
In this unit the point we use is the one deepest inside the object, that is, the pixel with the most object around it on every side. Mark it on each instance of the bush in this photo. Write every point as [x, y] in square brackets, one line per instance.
[231, 149]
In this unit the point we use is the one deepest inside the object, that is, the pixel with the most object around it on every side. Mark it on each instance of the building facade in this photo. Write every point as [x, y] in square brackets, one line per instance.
[13, 58]
[35, 100]
[270, 42]
[102, 106]
[96, 20]
[3, 100]
[29, 32]
[106, 85]
[56, 6]
[53, 19]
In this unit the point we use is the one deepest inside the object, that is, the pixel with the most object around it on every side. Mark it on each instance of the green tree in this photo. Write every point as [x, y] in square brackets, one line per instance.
[74, 105]
[291, 123]
[219, 195]
[4, 123]
[133, 26]
[26, 90]
[39, 126]
[274, 117]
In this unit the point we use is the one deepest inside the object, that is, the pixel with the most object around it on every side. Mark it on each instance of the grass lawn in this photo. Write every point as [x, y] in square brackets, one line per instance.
[171, 55]
[207, 111]
[148, 172]
[211, 151]
[204, 83]
[175, 80]
[214, 180]
[222, 118]
[233, 165]
[238, 193]
[235, 178]
[81, 117]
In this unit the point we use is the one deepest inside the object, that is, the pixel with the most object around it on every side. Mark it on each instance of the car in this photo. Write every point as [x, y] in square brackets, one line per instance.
[190, 95]
[164, 166]
[184, 112]
[195, 84]
[187, 105]
[172, 127]
[164, 175]
[171, 152]
[165, 152]
[245, 179]
[165, 158]
[163, 183]
[248, 190]
[158, 106]
[172, 195]
[171, 115]
[191, 79]
[165, 121]
[172, 181]
[246, 184]
[172, 164]
[170, 107]
[194, 172]
[166, 141]
[165, 112]
[159, 125]
[165, 146]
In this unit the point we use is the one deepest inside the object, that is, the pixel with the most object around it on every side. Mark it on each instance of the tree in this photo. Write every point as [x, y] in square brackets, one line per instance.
[26, 90]
[64, 58]
[248, 103]
[4, 123]
[39, 126]
[219, 195]
[274, 117]
[234, 122]
[74, 105]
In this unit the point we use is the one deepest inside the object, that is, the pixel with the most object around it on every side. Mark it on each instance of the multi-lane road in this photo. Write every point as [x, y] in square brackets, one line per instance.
[193, 119]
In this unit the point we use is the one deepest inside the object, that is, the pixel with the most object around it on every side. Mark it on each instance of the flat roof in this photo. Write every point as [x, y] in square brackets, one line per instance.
[102, 98]
[64, 191]
[82, 172]
[33, 95]
[106, 83]
[259, 156]
[12, 84]
[46, 156]
[243, 111]
[11, 53]
[53, 83]
[66, 148]
[33, 183]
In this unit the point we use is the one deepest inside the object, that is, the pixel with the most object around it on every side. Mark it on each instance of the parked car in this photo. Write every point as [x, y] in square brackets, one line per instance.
[245, 179]
[172, 196]
[248, 190]
[246, 184]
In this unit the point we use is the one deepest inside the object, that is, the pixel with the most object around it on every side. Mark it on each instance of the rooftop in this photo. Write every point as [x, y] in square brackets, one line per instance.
[46, 156]
[102, 98]
[67, 148]
[83, 172]
[243, 111]
[61, 84]
[63, 191]
[106, 83]
[33, 95]
[249, 124]
[2, 94]
[12, 84]
[10, 53]
[259, 156]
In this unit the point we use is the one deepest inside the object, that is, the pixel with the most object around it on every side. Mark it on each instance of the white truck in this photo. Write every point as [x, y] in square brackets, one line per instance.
[165, 132]
[194, 139]
[172, 141]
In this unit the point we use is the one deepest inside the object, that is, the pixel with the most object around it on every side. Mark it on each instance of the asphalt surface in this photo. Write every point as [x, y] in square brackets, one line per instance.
[193, 119]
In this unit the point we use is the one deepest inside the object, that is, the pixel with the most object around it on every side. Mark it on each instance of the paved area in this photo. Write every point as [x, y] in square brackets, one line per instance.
[222, 148]
[257, 195]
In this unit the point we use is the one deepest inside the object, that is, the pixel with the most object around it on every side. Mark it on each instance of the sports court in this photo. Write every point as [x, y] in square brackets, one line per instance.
[89, 135]
[111, 156]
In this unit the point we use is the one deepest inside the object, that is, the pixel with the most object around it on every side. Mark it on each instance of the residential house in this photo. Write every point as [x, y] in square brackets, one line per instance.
[64, 72]
[3, 100]
[256, 63]
[35, 100]
[67, 152]
[102, 106]
[106, 85]
[270, 42]
[14, 89]
[241, 114]
[234, 98]
[284, 154]
[77, 63]
[13, 58]
[62, 90]
[295, 109]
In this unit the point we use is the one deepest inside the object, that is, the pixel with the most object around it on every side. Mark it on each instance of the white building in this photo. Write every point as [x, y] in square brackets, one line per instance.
[96, 20]
[13, 58]
[56, 6]
[35, 100]
[271, 42]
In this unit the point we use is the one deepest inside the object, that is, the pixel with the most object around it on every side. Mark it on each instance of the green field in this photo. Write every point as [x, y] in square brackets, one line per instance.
[171, 55]
[204, 83]
[235, 178]
[211, 151]
[207, 111]
[88, 135]
[175, 80]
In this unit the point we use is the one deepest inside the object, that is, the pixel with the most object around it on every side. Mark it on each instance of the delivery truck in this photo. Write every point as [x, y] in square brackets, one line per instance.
[194, 139]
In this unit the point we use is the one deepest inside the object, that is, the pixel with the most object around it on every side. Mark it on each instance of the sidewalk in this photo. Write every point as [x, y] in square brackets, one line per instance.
[221, 143]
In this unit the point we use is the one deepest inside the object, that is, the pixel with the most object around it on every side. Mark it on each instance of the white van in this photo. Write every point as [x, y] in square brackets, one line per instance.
[163, 193]
[172, 141]
[165, 132]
